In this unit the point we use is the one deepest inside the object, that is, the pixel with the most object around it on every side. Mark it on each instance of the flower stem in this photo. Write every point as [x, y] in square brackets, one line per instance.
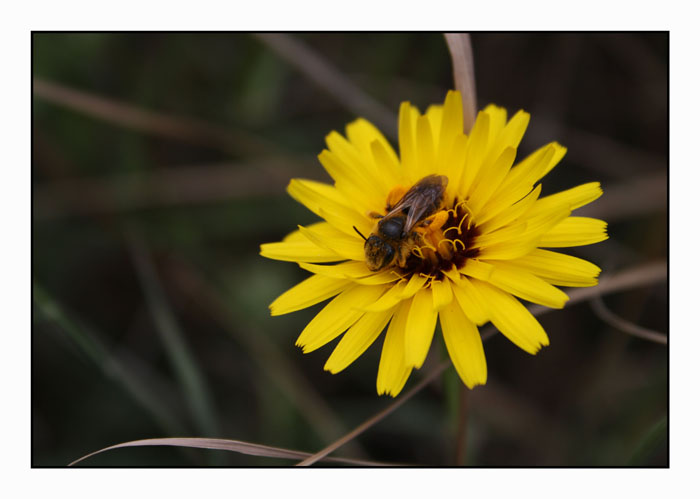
[463, 417]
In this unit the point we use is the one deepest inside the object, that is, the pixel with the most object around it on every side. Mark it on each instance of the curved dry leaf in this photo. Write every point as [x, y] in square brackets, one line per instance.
[247, 448]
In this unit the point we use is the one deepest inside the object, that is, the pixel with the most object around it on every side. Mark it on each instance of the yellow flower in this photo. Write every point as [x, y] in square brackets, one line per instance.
[465, 261]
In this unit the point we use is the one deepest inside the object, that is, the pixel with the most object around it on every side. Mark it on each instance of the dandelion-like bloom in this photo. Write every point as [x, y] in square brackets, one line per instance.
[477, 248]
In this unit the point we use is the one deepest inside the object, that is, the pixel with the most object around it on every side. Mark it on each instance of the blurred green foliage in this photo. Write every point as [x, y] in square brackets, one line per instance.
[102, 373]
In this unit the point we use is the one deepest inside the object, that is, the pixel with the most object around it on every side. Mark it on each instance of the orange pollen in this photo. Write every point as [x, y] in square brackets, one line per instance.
[443, 240]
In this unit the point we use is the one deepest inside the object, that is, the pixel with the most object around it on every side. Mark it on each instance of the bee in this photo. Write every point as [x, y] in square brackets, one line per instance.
[394, 236]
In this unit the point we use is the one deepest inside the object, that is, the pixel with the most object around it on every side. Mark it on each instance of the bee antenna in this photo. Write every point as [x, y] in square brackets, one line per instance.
[360, 233]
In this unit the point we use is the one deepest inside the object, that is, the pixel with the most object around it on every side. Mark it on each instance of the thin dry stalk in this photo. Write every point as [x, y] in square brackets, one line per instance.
[642, 275]
[177, 186]
[606, 315]
[460, 46]
[334, 82]
[596, 152]
[376, 418]
[161, 124]
[636, 197]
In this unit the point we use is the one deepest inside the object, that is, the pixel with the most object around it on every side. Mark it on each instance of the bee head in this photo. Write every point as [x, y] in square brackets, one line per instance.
[378, 253]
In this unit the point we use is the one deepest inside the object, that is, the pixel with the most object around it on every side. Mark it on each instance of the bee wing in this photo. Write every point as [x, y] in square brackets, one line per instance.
[421, 200]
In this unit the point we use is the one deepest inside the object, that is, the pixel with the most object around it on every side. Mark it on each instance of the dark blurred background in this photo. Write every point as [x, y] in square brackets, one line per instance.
[159, 166]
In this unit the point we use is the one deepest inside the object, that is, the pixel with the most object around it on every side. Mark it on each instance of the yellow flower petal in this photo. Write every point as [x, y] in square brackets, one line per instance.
[408, 115]
[362, 134]
[415, 283]
[298, 251]
[500, 236]
[489, 222]
[442, 294]
[325, 201]
[313, 290]
[472, 303]
[426, 152]
[512, 319]
[527, 240]
[296, 235]
[559, 153]
[388, 299]
[452, 123]
[497, 117]
[559, 269]
[527, 286]
[541, 223]
[499, 141]
[513, 132]
[387, 163]
[508, 250]
[337, 316]
[314, 194]
[571, 198]
[476, 151]
[454, 166]
[382, 277]
[366, 196]
[477, 268]
[453, 274]
[489, 183]
[575, 231]
[520, 179]
[345, 270]
[350, 247]
[393, 368]
[367, 138]
[420, 327]
[357, 339]
[352, 157]
[463, 345]
[434, 115]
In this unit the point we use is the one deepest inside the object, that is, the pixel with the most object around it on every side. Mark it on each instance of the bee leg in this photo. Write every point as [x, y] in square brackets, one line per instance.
[395, 196]
[433, 224]
[374, 214]
[430, 230]
[402, 254]
[436, 235]
[438, 220]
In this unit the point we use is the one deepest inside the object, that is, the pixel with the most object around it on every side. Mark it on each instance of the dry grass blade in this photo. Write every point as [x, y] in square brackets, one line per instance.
[187, 371]
[330, 79]
[186, 129]
[460, 46]
[247, 448]
[195, 184]
[606, 315]
[146, 391]
[638, 276]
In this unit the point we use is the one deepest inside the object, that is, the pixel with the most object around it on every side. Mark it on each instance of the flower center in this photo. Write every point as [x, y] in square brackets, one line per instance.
[443, 240]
